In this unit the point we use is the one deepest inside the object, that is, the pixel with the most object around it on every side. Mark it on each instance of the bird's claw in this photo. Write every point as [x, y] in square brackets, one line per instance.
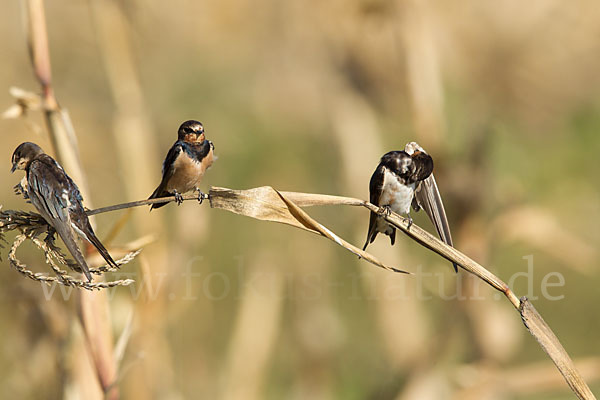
[201, 196]
[21, 191]
[50, 236]
[410, 222]
[385, 211]
[178, 198]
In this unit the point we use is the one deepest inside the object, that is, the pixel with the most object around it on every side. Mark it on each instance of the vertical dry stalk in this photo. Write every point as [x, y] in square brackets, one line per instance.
[422, 50]
[58, 122]
[424, 75]
[132, 129]
[93, 307]
[262, 307]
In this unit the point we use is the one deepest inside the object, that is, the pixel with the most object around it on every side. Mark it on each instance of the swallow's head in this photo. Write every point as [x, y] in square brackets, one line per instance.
[399, 162]
[24, 154]
[403, 164]
[191, 131]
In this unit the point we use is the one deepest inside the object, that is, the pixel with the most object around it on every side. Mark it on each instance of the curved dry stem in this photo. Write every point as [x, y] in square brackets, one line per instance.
[221, 197]
[62, 277]
[429, 241]
[258, 203]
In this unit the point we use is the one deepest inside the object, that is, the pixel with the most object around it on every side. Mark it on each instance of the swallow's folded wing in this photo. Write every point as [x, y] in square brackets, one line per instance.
[375, 190]
[427, 197]
[168, 164]
[49, 193]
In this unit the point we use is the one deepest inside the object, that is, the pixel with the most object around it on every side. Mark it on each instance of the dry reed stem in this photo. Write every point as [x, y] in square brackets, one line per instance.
[263, 305]
[225, 198]
[267, 204]
[132, 127]
[429, 241]
[94, 314]
[551, 345]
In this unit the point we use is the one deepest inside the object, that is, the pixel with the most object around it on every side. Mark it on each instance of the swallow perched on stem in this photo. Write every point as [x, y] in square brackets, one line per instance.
[401, 180]
[185, 164]
[58, 200]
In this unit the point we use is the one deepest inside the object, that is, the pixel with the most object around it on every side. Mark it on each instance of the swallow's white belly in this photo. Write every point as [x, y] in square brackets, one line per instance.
[395, 195]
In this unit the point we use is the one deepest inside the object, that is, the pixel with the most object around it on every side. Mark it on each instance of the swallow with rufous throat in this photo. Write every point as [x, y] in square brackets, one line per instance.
[401, 180]
[58, 200]
[185, 164]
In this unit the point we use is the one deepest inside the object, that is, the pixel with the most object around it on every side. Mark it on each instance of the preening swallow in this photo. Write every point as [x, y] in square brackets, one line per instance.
[185, 164]
[404, 179]
[58, 200]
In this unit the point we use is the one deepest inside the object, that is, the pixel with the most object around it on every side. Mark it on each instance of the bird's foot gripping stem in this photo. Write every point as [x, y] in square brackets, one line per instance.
[410, 221]
[50, 231]
[178, 198]
[385, 211]
[201, 196]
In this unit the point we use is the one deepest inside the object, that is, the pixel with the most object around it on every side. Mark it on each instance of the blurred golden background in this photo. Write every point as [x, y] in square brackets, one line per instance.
[306, 96]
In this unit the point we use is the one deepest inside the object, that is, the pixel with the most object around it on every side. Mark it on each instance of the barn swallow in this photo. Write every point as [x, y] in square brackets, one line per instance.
[58, 200]
[185, 164]
[404, 179]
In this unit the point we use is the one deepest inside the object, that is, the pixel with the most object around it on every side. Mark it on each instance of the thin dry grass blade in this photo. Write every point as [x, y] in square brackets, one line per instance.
[117, 227]
[312, 224]
[123, 341]
[267, 204]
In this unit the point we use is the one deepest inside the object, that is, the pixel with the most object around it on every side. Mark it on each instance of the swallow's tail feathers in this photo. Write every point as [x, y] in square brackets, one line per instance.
[102, 250]
[428, 197]
[157, 194]
[85, 230]
[369, 240]
[67, 237]
[372, 232]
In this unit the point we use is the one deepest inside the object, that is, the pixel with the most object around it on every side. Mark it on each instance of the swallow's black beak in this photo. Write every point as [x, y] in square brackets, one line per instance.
[14, 167]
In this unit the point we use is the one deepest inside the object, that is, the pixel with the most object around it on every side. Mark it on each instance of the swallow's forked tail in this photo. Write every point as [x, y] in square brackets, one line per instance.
[157, 194]
[93, 239]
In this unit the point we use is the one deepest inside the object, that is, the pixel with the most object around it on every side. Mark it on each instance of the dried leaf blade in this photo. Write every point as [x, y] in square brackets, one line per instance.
[540, 330]
[267, 204]
[312, 224]
[261, 203]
